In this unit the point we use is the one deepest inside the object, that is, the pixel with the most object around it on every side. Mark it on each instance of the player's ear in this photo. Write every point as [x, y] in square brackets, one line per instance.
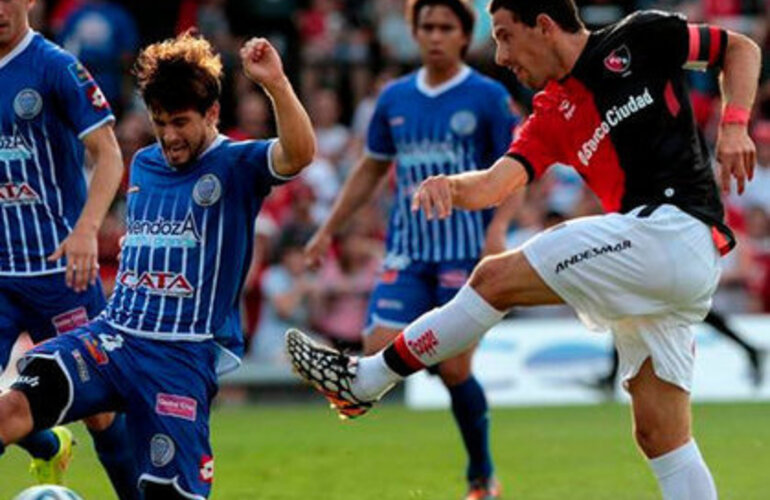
[545, 24]
[212, 115]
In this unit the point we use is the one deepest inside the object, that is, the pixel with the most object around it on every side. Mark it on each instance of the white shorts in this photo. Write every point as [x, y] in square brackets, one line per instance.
[646, 277]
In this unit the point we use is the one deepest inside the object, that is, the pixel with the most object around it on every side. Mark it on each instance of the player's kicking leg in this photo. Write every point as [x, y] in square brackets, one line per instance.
[353, 384]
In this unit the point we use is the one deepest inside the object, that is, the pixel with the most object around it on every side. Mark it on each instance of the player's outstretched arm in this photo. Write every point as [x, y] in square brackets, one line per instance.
[296, 141]
[80, 247]
[471, 190]
[735, 150]
[356, 191]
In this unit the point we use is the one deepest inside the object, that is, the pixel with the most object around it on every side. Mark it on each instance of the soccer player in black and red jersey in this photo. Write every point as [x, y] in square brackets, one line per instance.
[614, 106]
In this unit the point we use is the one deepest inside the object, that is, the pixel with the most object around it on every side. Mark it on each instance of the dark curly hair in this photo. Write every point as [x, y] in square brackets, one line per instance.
[179, 73]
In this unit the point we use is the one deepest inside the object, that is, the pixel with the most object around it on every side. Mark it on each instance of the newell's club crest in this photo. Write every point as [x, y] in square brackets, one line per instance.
[619, 60]
[27, 104]
[162, 450]
[463, 123]
[207, 190]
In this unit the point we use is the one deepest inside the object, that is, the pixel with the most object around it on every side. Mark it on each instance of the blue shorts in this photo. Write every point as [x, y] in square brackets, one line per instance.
[403, 295]
[44, 306]
[164, 388]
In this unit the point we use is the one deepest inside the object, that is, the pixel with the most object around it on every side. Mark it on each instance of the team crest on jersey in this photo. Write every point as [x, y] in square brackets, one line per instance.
[207, 190]
[158, 283]
[17, 194]
[27, 104]
[619, 60]
[80, 73]
[162, 450]
[463, 122]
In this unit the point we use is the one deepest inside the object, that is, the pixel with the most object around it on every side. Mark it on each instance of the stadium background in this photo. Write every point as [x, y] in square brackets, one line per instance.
[272, 439]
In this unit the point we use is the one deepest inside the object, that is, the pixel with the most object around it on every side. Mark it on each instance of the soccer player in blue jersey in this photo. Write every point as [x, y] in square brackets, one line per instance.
[51, 110]
[173, 318]
[444, 118]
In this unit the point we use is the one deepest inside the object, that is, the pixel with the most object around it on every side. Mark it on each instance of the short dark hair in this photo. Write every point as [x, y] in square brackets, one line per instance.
[463, 9]
[563, 12]
[179, 73]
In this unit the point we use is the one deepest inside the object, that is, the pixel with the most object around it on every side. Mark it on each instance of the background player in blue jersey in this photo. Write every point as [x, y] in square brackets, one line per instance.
[444, 118]
[50, 108]
[192, 201]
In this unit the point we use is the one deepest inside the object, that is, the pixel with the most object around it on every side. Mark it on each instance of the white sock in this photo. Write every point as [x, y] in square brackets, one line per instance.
[373, 378]
[435, 336]
[683, 475]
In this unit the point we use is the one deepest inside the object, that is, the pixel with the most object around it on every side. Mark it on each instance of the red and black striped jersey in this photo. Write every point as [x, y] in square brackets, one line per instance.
[622, 118]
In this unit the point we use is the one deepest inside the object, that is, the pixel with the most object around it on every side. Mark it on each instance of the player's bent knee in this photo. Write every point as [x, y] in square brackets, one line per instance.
[655, 439]
[496, 281]
[44, 383]
[100, 422]
[15, 417]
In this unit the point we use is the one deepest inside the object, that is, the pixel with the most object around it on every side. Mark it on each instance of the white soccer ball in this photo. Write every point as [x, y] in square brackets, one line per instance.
[48, 492]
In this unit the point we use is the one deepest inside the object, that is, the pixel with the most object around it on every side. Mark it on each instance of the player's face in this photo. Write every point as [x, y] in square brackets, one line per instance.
[184, 135]
[440, 36]
[13, 22]
[527, 51]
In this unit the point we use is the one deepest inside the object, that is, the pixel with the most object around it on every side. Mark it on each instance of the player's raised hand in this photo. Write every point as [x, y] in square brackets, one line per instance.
[736, 155]
[261, 62]
[317, 248]
[81, 250]
[434, 196]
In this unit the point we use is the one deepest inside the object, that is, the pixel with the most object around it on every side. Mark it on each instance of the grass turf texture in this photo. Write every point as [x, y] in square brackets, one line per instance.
[304, 452]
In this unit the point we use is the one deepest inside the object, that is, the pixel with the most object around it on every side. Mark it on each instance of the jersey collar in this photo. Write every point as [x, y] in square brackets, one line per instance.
[23, 44]
[423, 87]
[214, 144]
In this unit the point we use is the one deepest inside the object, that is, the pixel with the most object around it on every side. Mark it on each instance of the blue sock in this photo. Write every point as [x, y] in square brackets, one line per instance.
[469, 406]
[115, 453]
[41, 444]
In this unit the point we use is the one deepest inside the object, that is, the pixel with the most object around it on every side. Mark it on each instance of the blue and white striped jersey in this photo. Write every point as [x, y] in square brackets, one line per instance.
[189, 241]
[463, 125]
[48, 102]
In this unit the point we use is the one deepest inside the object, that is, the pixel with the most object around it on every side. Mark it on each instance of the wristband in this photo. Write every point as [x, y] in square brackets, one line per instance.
[735, 115]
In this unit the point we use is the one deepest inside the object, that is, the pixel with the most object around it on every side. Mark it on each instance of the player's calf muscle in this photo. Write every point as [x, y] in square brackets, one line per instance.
[15, 417]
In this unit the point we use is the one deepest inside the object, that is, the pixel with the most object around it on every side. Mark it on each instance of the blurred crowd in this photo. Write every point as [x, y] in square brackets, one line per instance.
[339, 54]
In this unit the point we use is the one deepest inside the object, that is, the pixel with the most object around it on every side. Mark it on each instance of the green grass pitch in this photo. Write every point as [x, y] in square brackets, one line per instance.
[303, 452]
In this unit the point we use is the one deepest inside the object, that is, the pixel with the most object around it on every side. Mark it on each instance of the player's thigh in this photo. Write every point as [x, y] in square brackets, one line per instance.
[168, 414]
[661, 412]
[67, 378]
[508, 279]
[54, 308]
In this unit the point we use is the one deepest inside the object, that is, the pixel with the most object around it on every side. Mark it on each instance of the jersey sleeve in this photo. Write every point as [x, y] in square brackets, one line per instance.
[379, 141]
[256, 165]
[533, 145]
[677, 43]
[78, 96]
[706, 46]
